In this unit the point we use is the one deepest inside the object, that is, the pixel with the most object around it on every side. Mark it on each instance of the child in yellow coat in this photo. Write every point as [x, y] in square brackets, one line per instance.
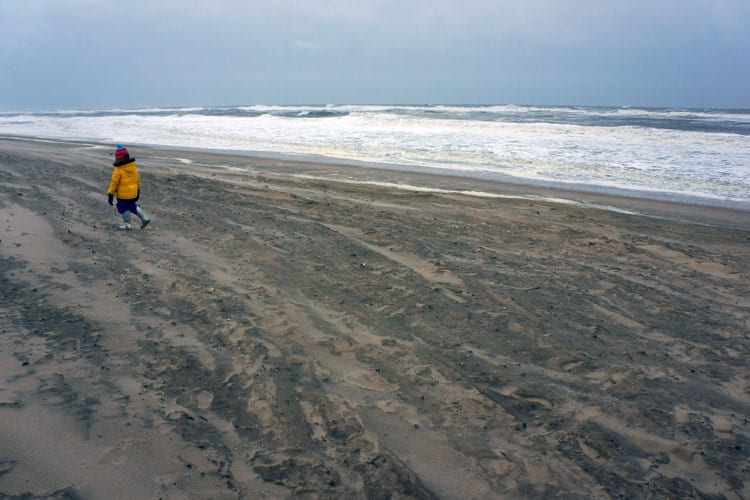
[126, 184]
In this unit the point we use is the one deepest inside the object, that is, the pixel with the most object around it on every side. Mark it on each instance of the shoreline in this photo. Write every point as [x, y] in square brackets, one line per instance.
[474, 180]
[343, 171]
[292, 328]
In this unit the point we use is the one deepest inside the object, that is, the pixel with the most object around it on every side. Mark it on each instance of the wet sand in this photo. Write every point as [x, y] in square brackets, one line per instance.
[282, 330]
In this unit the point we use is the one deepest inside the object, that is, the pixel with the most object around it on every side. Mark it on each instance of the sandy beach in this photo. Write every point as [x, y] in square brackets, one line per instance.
[288, 329]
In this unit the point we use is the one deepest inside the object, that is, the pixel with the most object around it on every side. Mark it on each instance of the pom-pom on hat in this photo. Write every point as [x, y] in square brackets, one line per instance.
[121, 153]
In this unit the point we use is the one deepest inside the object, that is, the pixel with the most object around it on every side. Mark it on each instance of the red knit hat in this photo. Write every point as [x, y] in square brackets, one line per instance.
[121, 153]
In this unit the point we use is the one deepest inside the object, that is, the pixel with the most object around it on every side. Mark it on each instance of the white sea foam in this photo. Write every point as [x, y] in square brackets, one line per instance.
[705, 154]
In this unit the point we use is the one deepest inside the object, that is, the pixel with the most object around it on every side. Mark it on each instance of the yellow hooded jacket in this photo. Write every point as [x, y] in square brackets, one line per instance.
[126, 182]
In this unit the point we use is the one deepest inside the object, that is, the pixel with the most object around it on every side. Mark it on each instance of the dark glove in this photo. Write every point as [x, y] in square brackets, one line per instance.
[138, 195]
[110, 198]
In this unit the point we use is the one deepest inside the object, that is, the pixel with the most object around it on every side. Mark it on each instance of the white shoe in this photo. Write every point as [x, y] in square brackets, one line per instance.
[125, 227]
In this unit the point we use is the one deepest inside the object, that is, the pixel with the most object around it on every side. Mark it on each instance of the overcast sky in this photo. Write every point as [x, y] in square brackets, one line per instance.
[83, 54]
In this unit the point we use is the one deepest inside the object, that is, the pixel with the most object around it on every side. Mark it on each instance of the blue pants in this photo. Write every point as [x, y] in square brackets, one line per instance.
[127, 205]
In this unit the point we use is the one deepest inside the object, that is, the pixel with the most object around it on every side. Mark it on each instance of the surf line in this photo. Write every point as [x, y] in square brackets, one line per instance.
[477, 194]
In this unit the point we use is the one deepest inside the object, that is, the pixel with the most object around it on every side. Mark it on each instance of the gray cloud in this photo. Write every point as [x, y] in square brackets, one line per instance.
[303, 45]
[99, 53]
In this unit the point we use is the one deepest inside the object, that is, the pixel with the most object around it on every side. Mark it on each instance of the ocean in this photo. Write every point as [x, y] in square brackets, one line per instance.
[693, 155]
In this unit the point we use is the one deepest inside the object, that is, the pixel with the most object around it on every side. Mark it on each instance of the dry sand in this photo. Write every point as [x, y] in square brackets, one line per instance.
[280, 331]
